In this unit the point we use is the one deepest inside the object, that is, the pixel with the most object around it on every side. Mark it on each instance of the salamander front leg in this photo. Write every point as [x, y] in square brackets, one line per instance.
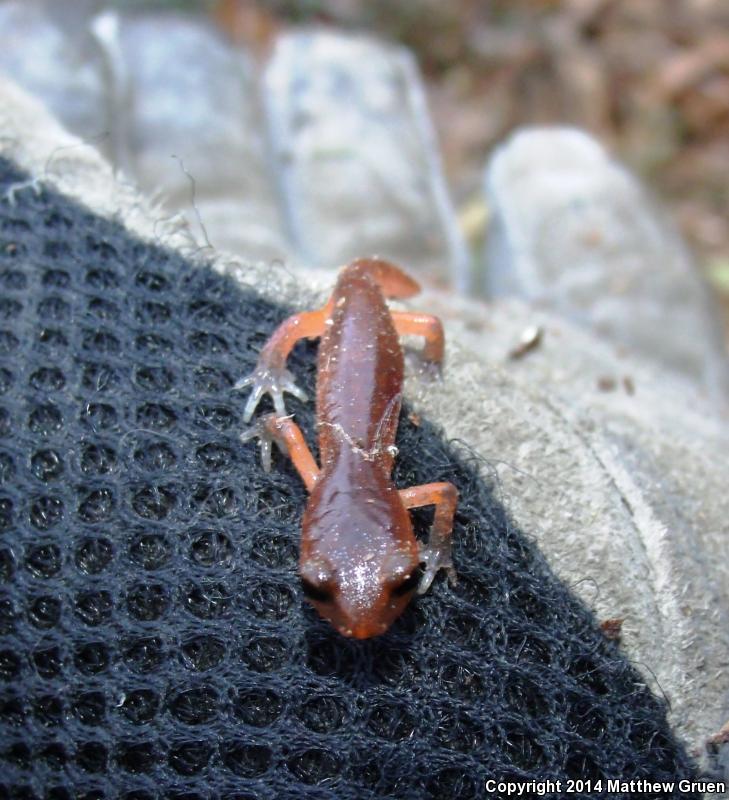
[436, 553]
[287, 435]
[270, 375]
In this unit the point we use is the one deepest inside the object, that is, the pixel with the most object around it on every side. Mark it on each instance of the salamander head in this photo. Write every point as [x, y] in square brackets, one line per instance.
[362, 598]
[359, 556]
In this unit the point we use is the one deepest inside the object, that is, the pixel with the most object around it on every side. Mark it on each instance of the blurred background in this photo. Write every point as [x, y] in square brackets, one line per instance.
[312, 132]
[648, 79]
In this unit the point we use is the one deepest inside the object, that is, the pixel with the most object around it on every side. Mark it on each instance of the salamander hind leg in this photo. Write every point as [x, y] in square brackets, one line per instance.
[270, 375]
[436, 553]
[425, 325]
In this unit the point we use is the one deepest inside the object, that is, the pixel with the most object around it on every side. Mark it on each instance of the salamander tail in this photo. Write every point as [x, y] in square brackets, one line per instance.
[393, 282]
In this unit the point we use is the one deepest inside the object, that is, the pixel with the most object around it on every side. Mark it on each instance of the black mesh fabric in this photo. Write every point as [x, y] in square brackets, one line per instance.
[155, 642]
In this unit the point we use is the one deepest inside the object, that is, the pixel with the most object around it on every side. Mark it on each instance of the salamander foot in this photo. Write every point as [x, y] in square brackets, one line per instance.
[273, 382]
[266, 429]
[436, 559]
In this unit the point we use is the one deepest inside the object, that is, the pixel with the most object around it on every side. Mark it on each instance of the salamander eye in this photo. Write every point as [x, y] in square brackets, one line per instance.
[319, 594]
[410, 583]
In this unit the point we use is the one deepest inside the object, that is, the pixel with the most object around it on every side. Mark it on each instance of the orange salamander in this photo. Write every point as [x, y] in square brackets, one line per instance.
[360, 562]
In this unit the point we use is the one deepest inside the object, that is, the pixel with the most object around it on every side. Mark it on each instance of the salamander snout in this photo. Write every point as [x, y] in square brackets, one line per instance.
[361, 601]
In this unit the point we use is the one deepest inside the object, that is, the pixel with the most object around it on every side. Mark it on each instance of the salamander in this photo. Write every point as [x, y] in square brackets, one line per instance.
[360, 562]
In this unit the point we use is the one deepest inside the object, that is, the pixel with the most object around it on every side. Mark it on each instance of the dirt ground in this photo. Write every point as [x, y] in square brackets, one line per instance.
[650, 79]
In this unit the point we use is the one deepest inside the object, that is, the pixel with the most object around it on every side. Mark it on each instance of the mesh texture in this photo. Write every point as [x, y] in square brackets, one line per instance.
[155, 641]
